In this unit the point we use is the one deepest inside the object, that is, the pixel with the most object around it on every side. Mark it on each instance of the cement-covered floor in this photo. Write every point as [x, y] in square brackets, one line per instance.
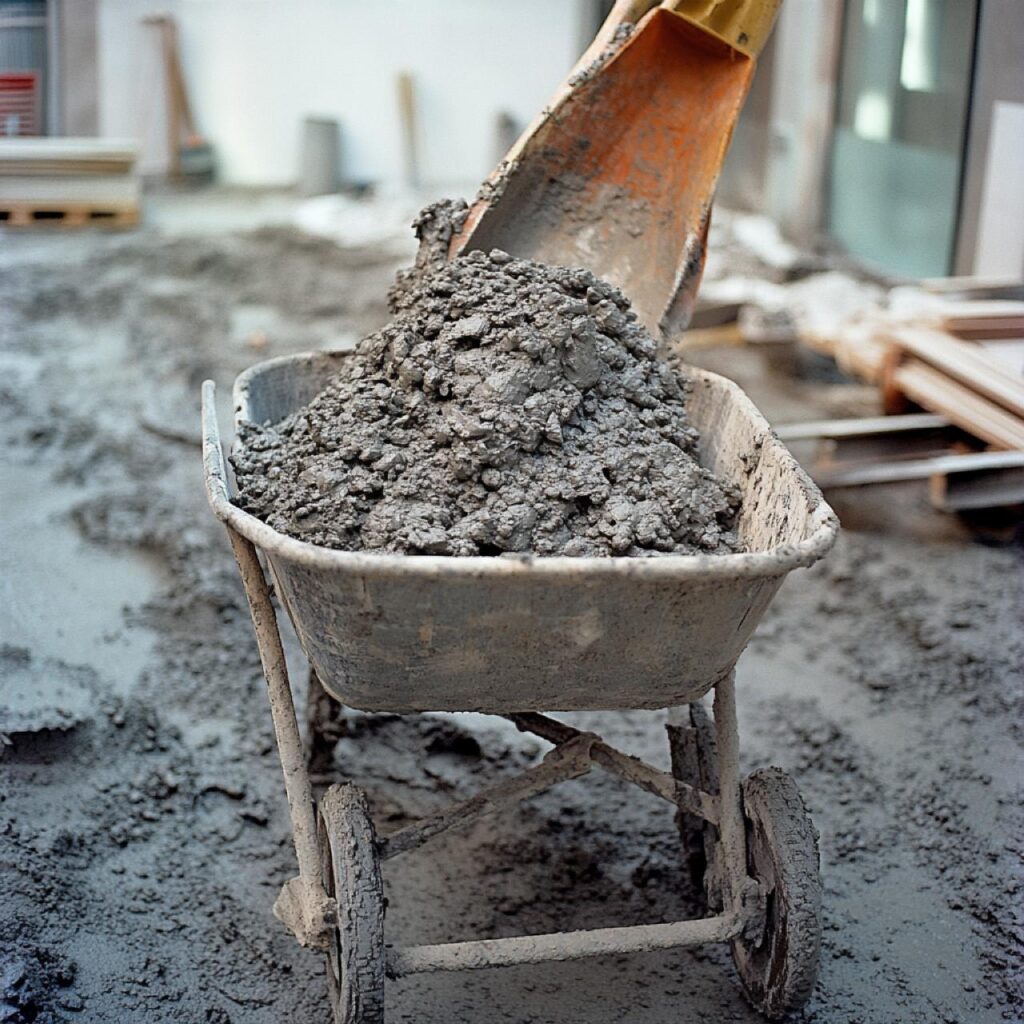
[143, 827]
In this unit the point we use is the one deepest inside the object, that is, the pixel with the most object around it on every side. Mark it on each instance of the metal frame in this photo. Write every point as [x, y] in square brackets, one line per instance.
[304, 906]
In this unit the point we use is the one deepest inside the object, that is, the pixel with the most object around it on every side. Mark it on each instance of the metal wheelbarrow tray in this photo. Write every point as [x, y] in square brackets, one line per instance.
[517, 636]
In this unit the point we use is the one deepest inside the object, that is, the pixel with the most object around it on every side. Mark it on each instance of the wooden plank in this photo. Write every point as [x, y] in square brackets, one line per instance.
[67, 215]
[59, 168]
[82, 189]
[708, 337]
[963, 362]
[67, 149]
[954, 313]
[714, 314]
[967, 491]
[876, 439]
[409, 127]
[979, 318]
[922, 444]
[1006, 352]
[815, 430]
[75, 217]
[934, 390]
[919, 469]
[983, 285]
[1002, 333]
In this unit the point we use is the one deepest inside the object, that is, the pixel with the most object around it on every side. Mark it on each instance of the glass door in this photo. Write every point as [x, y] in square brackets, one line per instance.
[897, 150]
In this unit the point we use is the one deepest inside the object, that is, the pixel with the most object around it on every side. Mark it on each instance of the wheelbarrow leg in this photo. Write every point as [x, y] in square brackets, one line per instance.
[303, 904]
[737, 885]
[691, 739]
[325, 718]
[682, 743]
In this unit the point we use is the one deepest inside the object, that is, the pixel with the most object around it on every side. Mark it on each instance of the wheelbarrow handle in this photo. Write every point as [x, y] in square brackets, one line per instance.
[743, 25]
[215, 471]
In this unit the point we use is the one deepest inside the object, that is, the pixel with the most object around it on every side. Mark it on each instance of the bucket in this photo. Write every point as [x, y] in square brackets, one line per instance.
[319, 172]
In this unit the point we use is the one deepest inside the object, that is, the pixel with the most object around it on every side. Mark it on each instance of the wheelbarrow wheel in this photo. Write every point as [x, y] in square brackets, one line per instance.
[351, 872]
[778, 967]
[695, 762]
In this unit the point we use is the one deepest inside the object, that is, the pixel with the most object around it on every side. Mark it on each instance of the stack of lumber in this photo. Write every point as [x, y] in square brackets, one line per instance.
[916, 447]
[959, 359]
[955, 379]
[963, 360]
[68, 182]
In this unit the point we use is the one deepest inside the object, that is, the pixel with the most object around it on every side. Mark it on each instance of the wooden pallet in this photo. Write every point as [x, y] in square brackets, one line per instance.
[67, 215]
[839, 444]
[957, 482]
[899, 449]
[955, 379]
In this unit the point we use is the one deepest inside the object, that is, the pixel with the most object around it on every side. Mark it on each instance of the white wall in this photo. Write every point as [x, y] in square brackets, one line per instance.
[255, 68]
[807, 39]
[997, 79]
[1000, 251]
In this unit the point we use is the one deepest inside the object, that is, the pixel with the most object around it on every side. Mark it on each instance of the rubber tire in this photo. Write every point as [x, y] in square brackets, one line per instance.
[698, 767]
[351, 874]
[779, 971]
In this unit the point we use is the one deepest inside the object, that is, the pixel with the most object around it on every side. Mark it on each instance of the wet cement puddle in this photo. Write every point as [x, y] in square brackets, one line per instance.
[61, 597]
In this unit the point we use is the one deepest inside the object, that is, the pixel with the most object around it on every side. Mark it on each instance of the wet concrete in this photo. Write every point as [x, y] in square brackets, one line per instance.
[63, 595]
[509, 407]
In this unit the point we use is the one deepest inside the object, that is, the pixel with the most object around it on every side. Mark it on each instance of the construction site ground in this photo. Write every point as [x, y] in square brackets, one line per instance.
[143, 827]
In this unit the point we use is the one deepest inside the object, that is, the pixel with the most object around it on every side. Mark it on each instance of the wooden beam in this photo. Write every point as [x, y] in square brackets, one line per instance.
[966, 408]
[407, 121]
[815, 430]
[920, 469]
[964, 492]
[963, 362]
[990, 312]
[971, 283]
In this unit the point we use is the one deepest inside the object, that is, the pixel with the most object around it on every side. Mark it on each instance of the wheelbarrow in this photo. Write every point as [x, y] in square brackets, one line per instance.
[519, 637]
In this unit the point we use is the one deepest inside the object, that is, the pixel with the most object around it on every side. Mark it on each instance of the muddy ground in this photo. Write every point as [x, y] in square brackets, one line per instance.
[143, 827]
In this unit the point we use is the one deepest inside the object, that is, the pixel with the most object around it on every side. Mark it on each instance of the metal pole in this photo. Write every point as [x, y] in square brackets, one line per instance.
[568, 761]
[625, 766]
[730, 810]
[282, 709]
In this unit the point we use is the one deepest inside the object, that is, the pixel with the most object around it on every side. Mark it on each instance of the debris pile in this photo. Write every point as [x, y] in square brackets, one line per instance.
[509, 406]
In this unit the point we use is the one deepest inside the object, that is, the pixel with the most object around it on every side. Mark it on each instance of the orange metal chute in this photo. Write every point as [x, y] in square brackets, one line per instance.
[619, 176]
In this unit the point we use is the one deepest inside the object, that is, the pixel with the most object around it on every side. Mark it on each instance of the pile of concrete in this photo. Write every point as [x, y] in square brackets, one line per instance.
[509, 406]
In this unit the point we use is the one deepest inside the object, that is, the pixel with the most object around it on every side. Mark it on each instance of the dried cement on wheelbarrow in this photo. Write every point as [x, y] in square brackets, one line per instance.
[509, 406]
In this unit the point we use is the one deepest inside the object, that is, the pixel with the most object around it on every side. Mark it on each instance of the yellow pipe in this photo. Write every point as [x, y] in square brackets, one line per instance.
[743, 25]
